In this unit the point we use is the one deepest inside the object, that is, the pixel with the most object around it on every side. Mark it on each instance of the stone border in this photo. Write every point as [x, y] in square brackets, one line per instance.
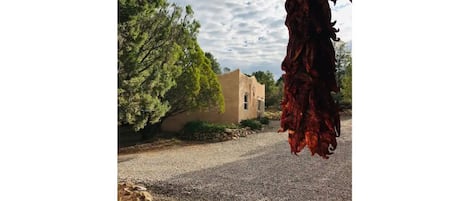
[228, 134]
[128, 191]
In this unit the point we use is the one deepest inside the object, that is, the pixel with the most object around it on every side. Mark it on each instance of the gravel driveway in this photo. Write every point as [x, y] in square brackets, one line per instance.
[257, 167]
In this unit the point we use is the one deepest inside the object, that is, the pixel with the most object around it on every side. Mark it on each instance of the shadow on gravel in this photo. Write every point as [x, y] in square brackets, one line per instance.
[269, 173]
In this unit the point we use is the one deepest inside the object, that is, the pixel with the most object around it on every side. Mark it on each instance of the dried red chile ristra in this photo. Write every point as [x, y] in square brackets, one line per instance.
[309, 113]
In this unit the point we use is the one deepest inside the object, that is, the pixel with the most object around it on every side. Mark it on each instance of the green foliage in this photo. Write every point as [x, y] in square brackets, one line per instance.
[203, 127]
[213, 62]
[231, 125]
[279, 95]
[343, 75]
[266, 78]
[152, 36]
[273, 114]
[197, 87]
[251, 123]
[226, 70]
[346, 83]
[201, 130]
[272, 91]
[211, 96]
[264, 120]
[130, 9]
[342, 55]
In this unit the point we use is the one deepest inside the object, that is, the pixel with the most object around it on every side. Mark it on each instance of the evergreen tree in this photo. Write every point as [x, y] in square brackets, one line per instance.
[226, 70]
[197, 87]
[215, 65]
[150, 39]
[272, 96]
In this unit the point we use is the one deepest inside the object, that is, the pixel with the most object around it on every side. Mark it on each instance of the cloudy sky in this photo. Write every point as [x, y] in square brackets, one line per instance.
[250, 34]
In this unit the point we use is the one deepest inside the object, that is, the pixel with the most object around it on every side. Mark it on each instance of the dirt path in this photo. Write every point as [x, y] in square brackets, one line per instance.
[258, 167]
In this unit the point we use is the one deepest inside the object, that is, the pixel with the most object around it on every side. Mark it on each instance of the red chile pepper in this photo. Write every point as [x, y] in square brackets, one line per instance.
[309, 113]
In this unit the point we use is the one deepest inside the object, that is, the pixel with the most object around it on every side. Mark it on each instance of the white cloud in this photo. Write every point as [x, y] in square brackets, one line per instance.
[342, 12]
[251, 34]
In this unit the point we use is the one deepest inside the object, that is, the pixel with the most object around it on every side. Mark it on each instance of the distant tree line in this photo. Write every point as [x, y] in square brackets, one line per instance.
[162, 70]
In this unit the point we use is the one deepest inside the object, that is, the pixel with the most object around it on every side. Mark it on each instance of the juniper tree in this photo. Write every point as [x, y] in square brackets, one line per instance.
[150, 36]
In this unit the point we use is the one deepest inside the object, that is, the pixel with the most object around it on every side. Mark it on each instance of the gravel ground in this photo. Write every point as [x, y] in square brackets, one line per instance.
[257, 167]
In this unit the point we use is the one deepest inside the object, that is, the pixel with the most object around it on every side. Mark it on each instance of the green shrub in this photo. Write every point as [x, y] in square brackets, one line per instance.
[203, 127]
[251, 123]
[264, 120]
[201, 130]
[230, 125]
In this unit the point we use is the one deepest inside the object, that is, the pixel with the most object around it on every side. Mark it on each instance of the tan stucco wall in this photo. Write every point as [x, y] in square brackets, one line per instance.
[234, 84]
[255, 91]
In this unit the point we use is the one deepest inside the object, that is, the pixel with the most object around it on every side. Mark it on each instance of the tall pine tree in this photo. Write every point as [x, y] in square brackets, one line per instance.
[162, 71]
[150, 36]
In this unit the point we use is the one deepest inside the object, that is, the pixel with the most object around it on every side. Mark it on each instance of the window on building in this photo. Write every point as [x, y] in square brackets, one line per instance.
[259, 105]
[246, 101]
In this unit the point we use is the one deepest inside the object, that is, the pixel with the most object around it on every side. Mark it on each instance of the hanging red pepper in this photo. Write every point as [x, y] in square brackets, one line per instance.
[309, 113]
